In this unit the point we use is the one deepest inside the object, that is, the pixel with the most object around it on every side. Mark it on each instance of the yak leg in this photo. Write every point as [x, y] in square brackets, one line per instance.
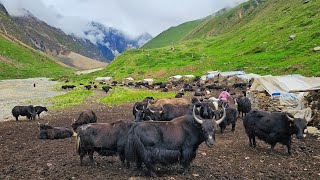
[233, 127]
[252, 141]
[90, 153]
[82, 154]
[289, 147]
[139, 164]
[151, 169]
[272, 148]
[16, 118]
[123, 158]
[222, 127]
[187, 156]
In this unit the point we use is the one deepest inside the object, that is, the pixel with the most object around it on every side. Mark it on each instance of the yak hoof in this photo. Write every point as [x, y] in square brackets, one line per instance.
[152, 174]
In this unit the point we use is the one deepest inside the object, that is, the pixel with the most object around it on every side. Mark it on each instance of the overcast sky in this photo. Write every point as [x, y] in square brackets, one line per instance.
[131, 16]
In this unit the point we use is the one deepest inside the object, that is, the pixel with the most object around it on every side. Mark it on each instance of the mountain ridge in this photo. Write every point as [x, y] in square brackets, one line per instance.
[254, 36]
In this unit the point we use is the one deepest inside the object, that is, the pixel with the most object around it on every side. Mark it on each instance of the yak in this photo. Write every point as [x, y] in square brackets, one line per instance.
[107, 139]
[169, 142]
[28, 111]
[231, 118]
[243, 104]
[273, 128]
[40, 109]
[85, 117]
[49, 132]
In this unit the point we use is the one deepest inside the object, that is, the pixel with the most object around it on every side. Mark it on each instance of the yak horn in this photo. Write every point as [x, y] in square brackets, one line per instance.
[290, 118]
[135, 107]
[151, 111]
[195, 117]
[222, 118]
[161, 110]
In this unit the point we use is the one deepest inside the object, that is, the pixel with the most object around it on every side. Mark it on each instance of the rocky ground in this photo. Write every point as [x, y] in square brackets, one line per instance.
[24, 156]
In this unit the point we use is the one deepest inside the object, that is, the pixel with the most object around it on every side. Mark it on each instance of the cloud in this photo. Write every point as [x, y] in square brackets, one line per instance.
[133, 17]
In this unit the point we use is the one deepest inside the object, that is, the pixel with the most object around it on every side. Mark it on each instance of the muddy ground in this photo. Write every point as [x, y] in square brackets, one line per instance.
[24, 156]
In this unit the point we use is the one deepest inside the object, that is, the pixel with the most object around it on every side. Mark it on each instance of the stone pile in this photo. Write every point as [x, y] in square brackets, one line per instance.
[262, 101]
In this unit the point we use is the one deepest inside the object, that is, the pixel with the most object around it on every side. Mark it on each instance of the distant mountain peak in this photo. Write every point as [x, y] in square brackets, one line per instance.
[111, 41]
[3, 9]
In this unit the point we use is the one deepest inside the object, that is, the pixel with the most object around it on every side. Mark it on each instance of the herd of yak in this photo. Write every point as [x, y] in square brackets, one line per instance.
[169, 130]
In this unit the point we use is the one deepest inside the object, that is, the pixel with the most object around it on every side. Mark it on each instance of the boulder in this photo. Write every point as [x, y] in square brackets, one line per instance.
[312, 130]
[316, 49]
[291, 37]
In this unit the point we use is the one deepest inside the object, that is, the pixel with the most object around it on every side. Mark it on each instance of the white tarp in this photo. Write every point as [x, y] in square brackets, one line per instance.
[247, 77]
[285, 84]
[212, 74]
[103, 78]
[232, 73]
[189, 76]
[149, 81]
[176, 77]
[129, 79]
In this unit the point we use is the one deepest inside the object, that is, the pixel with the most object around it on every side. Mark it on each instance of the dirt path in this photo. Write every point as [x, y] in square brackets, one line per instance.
[24, 156]
[22, 92]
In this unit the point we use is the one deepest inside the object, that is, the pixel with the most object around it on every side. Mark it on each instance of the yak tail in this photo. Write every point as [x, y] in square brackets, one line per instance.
[134, 149]
[130, 151]
[78, 144]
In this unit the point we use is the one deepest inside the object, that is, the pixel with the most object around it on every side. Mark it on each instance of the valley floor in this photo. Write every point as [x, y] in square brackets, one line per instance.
[24, 156]
[23, 92]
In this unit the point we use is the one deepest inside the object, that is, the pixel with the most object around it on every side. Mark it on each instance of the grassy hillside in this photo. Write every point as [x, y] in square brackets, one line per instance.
[172, 35]
[256, 41]
[17, 61]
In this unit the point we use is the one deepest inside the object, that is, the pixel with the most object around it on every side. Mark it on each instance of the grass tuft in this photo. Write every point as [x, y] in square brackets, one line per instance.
[121, 95]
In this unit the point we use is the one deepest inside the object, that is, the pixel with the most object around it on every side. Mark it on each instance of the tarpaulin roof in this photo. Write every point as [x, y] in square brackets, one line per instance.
[212, 74]
[232, 73]
[247, 77]
[176, 77]
[281, 84]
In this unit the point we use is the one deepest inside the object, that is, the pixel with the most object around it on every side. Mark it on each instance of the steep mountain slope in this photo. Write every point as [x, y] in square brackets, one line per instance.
[181, 32]
[80, 62]
[53, 41]
[39, 35]
[172, 35]
[253, 36]
[98, 42]
[19, 61]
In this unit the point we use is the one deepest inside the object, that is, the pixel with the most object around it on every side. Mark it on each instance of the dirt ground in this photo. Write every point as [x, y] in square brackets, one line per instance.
[24, 156]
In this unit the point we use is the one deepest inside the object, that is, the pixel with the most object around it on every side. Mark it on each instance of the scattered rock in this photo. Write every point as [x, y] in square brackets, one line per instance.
[316, 49]
[195, 175]
[291, 37]
[316, 157]
[312, 130]
[306, 1]
[203, 154]
[246, 158]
